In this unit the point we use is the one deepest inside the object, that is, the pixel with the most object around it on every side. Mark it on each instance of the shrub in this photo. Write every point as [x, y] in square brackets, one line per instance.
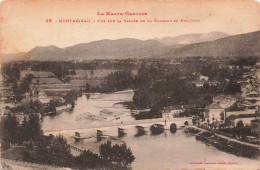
[117, 154]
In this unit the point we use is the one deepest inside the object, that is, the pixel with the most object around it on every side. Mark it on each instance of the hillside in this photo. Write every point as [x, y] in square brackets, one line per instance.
[103, 49]
[237, 45]
[192, 38]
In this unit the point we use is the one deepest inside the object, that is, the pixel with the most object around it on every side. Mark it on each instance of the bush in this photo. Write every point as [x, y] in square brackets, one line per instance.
[87, 159]
[117, 154]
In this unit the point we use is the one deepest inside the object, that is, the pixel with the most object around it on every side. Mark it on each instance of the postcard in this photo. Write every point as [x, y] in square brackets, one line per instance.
[130, 84]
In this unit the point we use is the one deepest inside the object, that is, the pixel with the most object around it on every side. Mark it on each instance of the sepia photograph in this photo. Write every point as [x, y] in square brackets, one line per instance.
[130, 84]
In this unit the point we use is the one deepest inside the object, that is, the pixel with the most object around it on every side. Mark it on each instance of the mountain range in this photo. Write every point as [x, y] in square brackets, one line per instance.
[209, 44]
[192, 38]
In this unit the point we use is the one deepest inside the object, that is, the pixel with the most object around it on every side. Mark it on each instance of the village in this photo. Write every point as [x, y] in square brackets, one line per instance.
[229, 111]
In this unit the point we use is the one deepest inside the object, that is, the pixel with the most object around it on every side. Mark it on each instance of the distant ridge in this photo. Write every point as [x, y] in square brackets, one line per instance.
[232, 46]
[192, 38]
[235, 45]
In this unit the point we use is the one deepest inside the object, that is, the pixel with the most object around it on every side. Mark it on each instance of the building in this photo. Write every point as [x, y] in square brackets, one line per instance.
[213, 83]
[173, 111]
[204, 78]
[21, 117]
[199, 83]
[214, 112]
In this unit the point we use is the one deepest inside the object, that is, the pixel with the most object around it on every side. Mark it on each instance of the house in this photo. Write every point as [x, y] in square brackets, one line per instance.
[199, 83]
[206, 78]
[21, 117]
[255, 126]
[214, 112]
[213, 83]
[173, 111]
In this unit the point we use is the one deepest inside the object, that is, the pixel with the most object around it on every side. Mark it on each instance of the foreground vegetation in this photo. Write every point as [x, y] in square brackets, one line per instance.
[26, 142]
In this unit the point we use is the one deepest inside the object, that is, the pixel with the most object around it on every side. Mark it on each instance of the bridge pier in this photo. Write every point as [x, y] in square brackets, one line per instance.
[121, 132]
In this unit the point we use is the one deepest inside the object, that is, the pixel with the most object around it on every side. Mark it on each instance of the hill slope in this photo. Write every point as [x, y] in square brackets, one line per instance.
[237, 45]
[192, 38]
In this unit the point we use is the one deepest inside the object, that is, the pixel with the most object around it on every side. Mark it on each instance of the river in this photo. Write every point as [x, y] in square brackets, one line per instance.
[164, 151]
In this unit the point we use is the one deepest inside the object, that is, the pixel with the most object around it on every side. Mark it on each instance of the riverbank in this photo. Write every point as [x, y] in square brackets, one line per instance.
[224, 143]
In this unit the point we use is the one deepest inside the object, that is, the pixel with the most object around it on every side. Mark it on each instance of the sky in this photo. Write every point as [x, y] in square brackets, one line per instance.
[23, 22]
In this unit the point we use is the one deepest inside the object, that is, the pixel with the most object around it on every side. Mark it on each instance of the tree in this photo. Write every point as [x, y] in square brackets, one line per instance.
[240, 124]
[36, 106]
[117, 154]
[12, 72]
[34, 127]
[24, 86]
[53, 151]
[222, 115]
[92, 73]
[232, 87]
[239, 128]
[119, 80]
[10, 128]
[5, 144]
[70, 98]
[87, 87]
[87, 159]
[60, 149]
